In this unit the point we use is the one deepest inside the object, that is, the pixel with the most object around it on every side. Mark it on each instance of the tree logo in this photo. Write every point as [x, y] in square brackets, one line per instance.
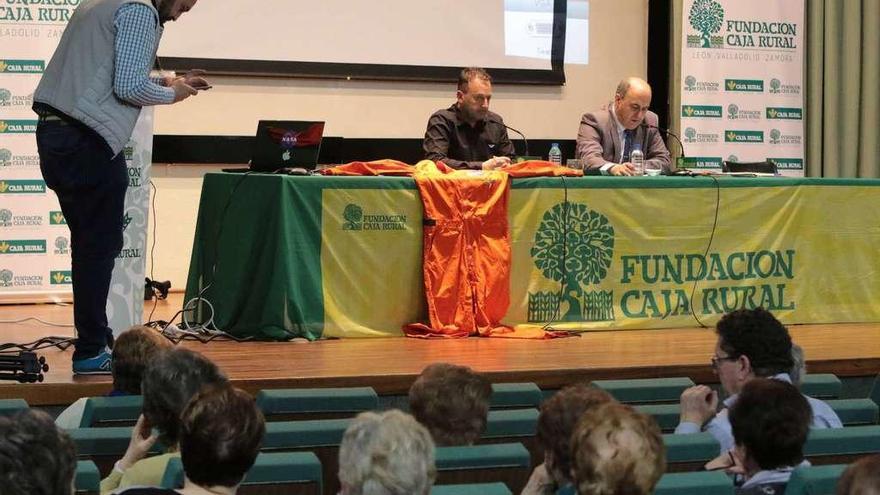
[5, 97]
[732, 111]
[733, 158]
[5, 157]
[690, 134]
[5, 218]
[126, 221]
[574, 246]
[353, 216]
[62, 245]
[690, 83]
[774, 136]
[6, 277]
[706, 16]
[775, 85]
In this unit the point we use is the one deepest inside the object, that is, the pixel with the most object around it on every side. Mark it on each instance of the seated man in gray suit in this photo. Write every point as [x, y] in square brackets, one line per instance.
[606, 137]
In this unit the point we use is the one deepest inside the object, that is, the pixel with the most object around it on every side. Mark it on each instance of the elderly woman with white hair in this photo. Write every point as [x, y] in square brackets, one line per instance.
[386, 453]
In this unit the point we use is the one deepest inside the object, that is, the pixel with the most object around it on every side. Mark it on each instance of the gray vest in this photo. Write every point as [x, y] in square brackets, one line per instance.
[79, 79]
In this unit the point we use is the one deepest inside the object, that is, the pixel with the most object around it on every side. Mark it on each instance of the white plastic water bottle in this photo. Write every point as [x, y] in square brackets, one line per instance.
[637, 158]
[555, 154]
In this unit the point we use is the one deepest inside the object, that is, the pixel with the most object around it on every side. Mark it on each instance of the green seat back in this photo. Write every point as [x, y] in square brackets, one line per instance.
[472, 489]
[87, 478]
[317, 400]
[815, 480]
[119, 409]
[855, 411]
[821, 386]
[8, 407]
[843, 441]
[645, 390]
[698, 483]
[498, 455]
[696, 447]
[666, 415]
[515, 395]
[302, 434]
[511, 423]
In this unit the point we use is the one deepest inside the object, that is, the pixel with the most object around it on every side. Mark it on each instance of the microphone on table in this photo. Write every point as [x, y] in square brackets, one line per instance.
[514, 130]
[667, 131]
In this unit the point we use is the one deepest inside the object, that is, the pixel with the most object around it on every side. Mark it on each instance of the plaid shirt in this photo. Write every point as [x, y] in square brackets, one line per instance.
[136, 38]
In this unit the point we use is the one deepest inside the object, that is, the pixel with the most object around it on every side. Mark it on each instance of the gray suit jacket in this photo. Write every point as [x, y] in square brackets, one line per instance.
[598, 143]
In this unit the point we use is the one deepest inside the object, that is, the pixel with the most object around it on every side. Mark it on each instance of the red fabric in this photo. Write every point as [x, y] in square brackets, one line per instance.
[466, 256]
[466, 246]
[378, 167]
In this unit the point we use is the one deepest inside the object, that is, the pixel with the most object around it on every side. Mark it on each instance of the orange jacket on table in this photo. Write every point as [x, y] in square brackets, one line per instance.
[466, 256]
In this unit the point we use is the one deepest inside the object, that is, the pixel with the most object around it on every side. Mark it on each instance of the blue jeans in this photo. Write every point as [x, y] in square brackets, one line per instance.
[90, 183]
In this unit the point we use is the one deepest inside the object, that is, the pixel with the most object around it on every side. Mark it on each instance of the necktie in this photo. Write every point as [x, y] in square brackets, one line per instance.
[628, 136]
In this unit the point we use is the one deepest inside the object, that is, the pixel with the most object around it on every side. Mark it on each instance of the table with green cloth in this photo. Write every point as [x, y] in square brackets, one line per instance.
[276, 256]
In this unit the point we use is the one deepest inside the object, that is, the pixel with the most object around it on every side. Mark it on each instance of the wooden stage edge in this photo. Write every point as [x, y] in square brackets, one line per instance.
[391, 364]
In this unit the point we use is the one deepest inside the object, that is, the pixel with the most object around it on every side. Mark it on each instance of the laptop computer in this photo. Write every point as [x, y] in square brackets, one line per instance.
[282, 145]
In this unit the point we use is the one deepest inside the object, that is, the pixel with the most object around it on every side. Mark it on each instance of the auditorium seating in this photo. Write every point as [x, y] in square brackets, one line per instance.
[815, 480]
[821, 386]
[472, 489]
[645, 390]
[316, 403]
[696, 483]
[9, 407]
[122, 410]
[87, 480]
[689, 452]
[515, 395]
[291, 473]
[505, 462]
[842, 445]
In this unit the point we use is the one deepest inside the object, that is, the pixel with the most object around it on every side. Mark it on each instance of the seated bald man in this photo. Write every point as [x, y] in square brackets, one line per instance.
[607, 136]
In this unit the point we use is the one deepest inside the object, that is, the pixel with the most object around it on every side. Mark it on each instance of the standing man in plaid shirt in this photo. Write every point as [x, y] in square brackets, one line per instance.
[88, 102]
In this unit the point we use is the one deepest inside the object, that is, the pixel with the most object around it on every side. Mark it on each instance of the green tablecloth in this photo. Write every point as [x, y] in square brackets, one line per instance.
[281, 256]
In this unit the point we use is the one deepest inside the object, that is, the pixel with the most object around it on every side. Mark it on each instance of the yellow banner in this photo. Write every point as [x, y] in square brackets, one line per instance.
[637, 257]
[371, 261]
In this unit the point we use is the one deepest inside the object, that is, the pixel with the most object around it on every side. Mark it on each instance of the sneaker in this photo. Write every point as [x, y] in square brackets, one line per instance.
[98, 365]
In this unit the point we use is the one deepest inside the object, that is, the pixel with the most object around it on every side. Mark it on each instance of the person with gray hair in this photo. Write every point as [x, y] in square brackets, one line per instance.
[386, 453]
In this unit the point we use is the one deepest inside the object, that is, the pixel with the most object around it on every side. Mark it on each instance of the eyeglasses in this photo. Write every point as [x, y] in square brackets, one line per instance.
[716, 360]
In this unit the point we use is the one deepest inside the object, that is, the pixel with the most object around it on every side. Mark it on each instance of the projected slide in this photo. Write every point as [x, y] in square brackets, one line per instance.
[528, 29]
[451, 33]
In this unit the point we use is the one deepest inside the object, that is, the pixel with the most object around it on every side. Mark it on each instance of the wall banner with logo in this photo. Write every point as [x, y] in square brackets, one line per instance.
[742, 83]
[34, 238]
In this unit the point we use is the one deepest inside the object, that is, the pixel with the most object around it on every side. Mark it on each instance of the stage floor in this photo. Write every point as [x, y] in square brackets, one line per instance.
[391, 364]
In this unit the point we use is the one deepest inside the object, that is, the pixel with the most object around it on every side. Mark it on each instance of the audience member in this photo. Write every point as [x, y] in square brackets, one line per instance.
[751, 343]
[770, 423]
[452, 402]
[169, 382]
[36, 458]
[616, 450]
[133, 350]
[861, 478]
[387, 453]
[220, 435]
[559, 415]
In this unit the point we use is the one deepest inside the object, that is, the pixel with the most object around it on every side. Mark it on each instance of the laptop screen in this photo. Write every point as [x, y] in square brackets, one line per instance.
[285, 144]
